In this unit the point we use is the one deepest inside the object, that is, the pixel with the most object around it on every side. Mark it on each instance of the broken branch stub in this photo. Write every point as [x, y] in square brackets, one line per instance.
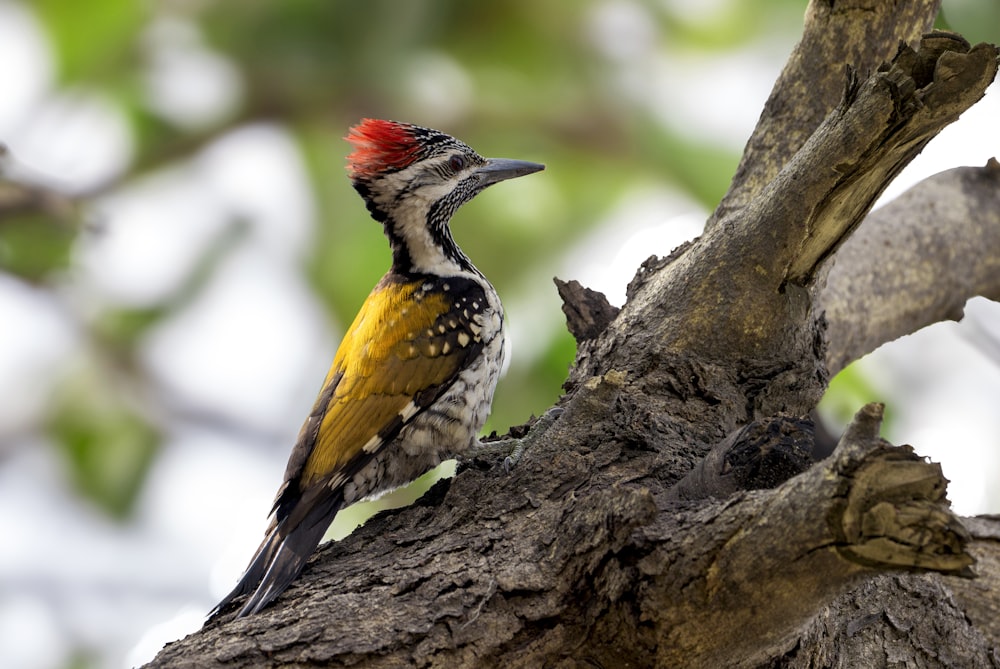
[777, 557]
[894, 512]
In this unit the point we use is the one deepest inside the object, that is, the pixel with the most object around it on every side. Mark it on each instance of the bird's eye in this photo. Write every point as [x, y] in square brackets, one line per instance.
[456, 163]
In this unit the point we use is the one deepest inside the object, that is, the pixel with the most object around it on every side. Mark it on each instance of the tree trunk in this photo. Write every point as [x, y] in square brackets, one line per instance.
[668, 515]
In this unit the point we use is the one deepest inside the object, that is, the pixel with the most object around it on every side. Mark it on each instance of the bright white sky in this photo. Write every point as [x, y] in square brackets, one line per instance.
[124, 591]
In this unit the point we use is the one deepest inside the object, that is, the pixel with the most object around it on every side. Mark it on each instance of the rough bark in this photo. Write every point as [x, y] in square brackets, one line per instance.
[859, 34]
[978, 597]
[898, 620]
[627, 535]
[898, 273]
[615, 574]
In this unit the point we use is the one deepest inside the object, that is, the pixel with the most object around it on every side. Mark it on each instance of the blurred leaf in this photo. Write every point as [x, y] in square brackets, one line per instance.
[82, 658]
[124, 327]
[34, 246]
[976, 20]
[108, 446]
[849, 391]
[702, 170]
[726, 26]
[93, 38]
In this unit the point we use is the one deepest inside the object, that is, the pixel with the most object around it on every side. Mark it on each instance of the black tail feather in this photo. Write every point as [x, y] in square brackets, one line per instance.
[254, 573]
[281, 557]
[285, 565]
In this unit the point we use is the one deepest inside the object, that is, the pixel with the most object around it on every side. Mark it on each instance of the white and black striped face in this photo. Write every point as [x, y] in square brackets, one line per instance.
[431, 189]
[413, 180]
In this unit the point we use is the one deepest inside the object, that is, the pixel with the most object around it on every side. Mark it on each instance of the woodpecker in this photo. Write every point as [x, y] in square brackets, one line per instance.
[413, 379]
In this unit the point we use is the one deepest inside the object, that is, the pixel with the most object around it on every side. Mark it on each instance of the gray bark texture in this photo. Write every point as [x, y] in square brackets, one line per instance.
[670, 513]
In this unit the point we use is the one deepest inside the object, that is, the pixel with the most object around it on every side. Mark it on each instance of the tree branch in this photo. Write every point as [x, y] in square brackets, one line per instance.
[903, 620]
[21, 195]
[556, 561]
[978, 597]
[737, 297]
[870, 506]
[860, 34]
[914, 262]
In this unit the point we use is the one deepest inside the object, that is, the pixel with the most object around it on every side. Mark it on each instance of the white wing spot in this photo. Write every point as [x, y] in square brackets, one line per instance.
[409, 411]
[445, 287]
[442, 329]
[372, 444]
[463, 339]
[432, 350]
[445, 347]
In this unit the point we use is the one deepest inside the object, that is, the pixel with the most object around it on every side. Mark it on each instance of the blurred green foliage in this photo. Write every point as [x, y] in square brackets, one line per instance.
[92, 41]
[33, 247]
[530, 84]
[848, 391]
[977, 20]
[108, 446]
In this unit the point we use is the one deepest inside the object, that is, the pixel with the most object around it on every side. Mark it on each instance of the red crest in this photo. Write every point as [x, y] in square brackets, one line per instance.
[380, 145]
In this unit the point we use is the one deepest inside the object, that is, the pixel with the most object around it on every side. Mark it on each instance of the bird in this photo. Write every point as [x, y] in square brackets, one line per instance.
[413, 379]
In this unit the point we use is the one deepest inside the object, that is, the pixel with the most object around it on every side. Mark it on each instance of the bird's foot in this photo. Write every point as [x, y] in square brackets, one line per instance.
[514, 446]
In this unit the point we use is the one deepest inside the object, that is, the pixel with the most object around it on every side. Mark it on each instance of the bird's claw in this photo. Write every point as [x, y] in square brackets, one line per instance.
[540, 427]
[514, 456]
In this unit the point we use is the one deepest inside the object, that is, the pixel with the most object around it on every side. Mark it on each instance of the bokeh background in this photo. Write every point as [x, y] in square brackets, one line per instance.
[180, 251]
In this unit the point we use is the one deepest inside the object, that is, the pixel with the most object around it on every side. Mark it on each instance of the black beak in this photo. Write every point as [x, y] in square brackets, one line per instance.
[501, 169]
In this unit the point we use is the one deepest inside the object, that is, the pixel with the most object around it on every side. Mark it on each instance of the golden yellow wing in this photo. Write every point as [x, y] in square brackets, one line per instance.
[406, 346]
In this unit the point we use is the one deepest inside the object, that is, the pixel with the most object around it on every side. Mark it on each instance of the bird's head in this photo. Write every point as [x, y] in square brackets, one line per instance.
[413, 179]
